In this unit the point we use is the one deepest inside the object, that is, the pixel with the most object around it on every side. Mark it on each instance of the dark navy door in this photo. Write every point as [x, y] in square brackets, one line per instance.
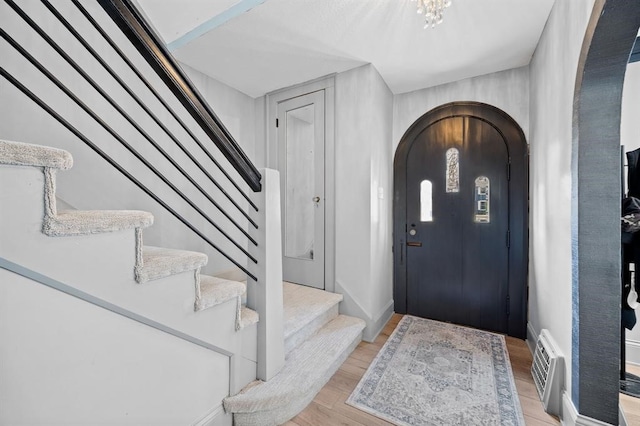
[457, 224]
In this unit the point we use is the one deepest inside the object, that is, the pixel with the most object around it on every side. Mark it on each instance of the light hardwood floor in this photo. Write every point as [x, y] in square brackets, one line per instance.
[631, 405]
[329, 408]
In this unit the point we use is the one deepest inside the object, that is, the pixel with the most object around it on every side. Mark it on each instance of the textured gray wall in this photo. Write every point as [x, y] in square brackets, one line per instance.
[507, 90]
[630, 138]
[596, 208]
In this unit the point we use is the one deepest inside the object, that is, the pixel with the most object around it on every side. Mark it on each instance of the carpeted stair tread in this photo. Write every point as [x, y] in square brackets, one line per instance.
[160, 262]
[248, 317]
[214, 290]
[303, 304]
[26, 154]
[307, 369]
[84, 222]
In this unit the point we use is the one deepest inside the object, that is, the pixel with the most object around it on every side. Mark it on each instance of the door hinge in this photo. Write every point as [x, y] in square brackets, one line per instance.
[277, 122]
[508, 171]
[508, 305]
[508, 239]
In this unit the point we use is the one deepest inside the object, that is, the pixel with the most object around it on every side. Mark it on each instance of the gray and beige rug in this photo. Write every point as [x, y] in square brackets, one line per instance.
[434, 373]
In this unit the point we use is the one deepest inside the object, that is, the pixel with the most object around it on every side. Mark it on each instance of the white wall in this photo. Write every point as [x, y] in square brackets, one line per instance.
[553, 76]
[630, 138]
[629, 126]
[92, 183]
[507, 90]
[381, 189]
[235, 109]
[363, 162]
[237, 112]
[65, 361]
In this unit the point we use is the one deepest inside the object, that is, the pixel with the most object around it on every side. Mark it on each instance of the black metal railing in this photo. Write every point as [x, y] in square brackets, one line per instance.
[127, 17]
[133, 25]
[181, 122]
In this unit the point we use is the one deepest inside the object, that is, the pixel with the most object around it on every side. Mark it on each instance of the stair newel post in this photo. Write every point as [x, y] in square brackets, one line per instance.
[265, 296]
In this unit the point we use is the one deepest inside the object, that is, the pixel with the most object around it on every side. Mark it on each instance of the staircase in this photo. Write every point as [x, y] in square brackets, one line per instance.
[99, 257]
[91, 242]
[101, 253]
[317, 341]
[96, 325]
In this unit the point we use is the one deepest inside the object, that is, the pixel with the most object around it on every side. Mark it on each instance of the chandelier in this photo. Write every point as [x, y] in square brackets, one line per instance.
[432, 10]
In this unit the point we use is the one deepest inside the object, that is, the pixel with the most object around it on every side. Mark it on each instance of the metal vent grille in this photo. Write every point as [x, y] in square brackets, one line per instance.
[548, 373]
[540, 368]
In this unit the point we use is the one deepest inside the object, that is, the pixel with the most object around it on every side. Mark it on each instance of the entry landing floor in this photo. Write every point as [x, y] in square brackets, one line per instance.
[329, 408]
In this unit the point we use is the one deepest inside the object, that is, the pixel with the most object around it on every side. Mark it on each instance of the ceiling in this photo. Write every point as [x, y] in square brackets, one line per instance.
[257, 46]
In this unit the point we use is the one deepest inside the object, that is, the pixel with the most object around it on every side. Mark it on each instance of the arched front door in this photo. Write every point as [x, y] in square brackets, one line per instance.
[460, 219]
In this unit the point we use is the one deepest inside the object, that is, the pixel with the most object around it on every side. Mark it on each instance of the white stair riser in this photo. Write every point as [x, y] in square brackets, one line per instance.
[109, 255]
[22, 197]
[282, 415]
[309, 329]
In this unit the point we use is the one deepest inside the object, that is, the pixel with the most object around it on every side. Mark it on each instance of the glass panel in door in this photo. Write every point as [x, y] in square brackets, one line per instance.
[301, 165]
[299, 198]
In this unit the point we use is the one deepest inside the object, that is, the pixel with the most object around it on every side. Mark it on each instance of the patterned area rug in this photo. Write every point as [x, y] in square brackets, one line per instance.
[434, 373]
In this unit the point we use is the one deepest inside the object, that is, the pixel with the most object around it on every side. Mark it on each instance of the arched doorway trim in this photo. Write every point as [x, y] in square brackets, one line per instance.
[518, 189]
[596, 208]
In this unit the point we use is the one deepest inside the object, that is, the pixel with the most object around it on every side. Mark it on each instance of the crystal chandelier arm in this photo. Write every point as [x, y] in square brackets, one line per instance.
[432, 10]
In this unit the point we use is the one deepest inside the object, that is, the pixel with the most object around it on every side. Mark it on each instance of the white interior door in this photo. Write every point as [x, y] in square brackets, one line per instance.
[301, 137]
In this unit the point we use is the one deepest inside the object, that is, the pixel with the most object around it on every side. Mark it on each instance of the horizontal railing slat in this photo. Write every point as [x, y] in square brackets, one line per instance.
[124, 114]
[125, 15]
[115, 164]
[184, 126]
[119, 138]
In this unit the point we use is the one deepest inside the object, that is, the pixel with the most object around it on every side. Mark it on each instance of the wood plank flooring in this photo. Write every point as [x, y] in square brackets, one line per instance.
[631, 405]
[329, 408]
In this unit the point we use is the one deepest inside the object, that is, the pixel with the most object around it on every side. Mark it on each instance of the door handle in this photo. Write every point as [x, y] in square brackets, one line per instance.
[316, 199]
[414, 243]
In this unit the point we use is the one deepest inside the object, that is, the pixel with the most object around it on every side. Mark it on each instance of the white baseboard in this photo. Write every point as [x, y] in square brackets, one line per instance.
[622, 419]
[351, 307]
[532, 337]
[375, 327]
[633, 351]
[212, 417]
[571, 417]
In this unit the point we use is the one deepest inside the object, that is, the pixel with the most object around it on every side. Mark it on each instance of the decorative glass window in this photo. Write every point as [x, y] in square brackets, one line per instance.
[453, 170]
[426, 201]
[482, 200]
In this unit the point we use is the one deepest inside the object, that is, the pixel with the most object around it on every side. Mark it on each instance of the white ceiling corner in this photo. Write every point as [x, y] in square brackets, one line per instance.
[175, 18]
[280, 43]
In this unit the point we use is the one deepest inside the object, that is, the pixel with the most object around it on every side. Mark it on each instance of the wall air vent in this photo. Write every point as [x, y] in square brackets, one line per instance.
[548, 373]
